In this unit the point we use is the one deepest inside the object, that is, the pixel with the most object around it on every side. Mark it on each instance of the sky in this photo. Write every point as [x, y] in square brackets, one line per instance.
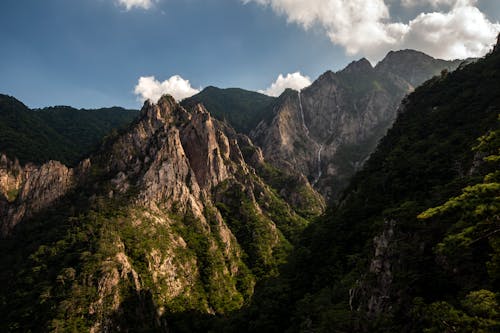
[97, 53]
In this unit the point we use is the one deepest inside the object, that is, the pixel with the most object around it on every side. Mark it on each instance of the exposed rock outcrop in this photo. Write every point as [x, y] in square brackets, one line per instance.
[329, 129]
[180, 220]
[30, 189]
[371, 295]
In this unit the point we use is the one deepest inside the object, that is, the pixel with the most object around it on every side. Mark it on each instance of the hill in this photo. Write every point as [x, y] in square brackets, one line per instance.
[413, 245]
[329, 129]
[242, 109]
[57, 133]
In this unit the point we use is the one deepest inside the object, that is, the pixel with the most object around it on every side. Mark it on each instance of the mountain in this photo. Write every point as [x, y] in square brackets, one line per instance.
[242, 109]
[415, 67]
[167, 222]
[57, 133]
[329, 129]
[178, 223]
[414, 243]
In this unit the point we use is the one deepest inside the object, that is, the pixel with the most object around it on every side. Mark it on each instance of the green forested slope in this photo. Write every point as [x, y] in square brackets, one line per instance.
[59, 133]
[380, 261]
[154, 254]
[242, 109]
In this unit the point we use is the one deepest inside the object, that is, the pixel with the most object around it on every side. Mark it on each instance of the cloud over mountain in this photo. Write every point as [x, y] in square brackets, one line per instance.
[148, 87]
[295, 81]
[454, 29]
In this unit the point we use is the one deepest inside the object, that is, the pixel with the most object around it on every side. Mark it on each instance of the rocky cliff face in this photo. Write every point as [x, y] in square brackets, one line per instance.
[28, 190]
[329, 129]
[192, 182]
[413, 67]
[178, 218]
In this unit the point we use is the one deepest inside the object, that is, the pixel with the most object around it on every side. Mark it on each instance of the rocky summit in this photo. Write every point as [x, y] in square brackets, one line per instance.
[168, 215]
[329, 129]
[177, 222]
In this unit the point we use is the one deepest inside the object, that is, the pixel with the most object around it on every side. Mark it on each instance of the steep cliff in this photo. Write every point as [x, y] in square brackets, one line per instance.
[328, 130]
[167, 218]
[28, 190]
[414, 243]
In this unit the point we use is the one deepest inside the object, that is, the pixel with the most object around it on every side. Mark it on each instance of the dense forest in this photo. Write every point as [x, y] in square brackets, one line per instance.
[59, 133]
[413, 245]
[242, 109]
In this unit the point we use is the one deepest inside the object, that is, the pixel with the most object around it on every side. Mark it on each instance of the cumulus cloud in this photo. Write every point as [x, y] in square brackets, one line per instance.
[149, 88]
[294, 81]
[365, 27]
[433, 3]
[463, 32]
[129, 4]
[358, 25]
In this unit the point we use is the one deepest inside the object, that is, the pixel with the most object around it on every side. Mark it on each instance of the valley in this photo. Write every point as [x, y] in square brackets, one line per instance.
[365, 202]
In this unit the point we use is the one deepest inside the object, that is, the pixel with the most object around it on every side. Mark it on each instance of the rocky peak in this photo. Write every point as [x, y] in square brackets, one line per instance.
[404, 63]
[359, 66]
[175, 189]
[207, 148]
[412, 66]
[332, 126]
[327, 78]
[401, 57]
[161, 112]
[199, 108]
[496, 48]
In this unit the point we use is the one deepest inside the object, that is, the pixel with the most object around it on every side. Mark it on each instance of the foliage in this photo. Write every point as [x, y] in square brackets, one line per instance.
[59, 133]
[425, 159]
[478, 312]
[242, 109]
[294, 189]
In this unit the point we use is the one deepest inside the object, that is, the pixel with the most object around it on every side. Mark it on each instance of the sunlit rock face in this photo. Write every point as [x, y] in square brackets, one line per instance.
[330, 128]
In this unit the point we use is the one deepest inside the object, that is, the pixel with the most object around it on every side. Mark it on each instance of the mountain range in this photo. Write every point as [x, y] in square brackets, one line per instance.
[59, 133]
[216, 214]
[328, 130]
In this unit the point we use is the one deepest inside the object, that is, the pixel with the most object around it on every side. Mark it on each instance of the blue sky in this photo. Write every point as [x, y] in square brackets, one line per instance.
[91, 53]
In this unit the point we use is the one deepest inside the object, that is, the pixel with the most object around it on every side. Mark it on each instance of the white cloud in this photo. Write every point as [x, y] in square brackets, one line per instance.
[463, 32]
[294, 81]
[129, 4]
[437, 3]
[365, 27]
[150, 88]
[433, 3]
[358, 25]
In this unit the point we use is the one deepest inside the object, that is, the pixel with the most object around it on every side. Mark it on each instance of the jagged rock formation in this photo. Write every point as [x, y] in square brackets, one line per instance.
[329, 129]
[29, 189]
[413, 245]
[174, 216]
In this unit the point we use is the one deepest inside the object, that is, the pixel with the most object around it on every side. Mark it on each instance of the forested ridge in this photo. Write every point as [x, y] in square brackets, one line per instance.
[413, 245]
[59, 133]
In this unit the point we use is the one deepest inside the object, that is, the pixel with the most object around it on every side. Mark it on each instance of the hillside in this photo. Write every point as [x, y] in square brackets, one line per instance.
[58, 133]
[167, 222]
[413, 245]
[178, 223]
[242, 109]
[329, 129]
